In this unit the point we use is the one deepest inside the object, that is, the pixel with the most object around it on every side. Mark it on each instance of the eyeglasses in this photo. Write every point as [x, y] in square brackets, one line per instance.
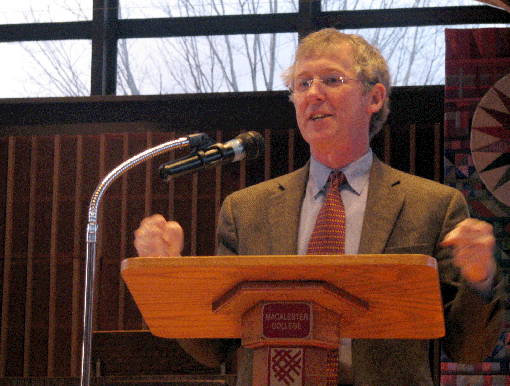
[331, 81]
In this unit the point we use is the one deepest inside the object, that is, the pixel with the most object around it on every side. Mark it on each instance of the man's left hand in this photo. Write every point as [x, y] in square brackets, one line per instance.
[473, 251]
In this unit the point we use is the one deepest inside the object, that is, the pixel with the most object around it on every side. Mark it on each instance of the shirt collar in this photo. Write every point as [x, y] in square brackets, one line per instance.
[356, 174]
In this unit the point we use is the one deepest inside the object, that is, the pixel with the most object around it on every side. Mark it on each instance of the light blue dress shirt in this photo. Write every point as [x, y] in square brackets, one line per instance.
[354, 196]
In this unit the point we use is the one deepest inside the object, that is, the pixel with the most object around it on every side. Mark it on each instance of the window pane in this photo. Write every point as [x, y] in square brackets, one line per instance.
[133, 9]
[415, 55]
[45, 69]
[204, 64]
[44, 11]
[352, 5]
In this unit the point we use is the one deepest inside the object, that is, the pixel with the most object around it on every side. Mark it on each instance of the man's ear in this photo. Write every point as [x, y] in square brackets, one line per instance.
[376, 97]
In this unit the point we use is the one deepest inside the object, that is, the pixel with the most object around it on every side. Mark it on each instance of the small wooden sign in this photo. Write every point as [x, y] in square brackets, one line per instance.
[286, 320]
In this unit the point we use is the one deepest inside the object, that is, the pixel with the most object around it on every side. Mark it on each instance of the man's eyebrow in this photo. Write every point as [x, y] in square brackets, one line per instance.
[325, 70]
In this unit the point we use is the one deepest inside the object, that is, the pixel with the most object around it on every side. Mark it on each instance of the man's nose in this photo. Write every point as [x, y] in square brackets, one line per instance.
[316, 88]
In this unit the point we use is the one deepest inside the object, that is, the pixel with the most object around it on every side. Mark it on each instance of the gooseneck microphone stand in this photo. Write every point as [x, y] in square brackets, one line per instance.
[198, 141]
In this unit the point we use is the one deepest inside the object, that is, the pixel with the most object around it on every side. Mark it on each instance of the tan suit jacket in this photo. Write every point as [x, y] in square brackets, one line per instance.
[404, 214]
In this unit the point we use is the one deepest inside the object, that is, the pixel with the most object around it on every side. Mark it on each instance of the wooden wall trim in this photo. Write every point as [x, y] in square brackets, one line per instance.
[77, 282]
[4, 328]
[187, 113]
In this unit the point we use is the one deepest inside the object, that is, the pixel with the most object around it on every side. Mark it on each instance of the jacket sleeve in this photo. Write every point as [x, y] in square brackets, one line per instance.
[473, 322]
[226, 233]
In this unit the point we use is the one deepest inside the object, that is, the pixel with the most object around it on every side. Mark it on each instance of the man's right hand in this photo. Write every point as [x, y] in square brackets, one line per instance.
[157, 237]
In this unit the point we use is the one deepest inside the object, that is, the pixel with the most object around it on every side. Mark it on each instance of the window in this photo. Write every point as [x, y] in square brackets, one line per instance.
[203, 64]
[44, 11]
[415, 55]
[155, 55]
[186, 8]
[351, 5]
[45, 69]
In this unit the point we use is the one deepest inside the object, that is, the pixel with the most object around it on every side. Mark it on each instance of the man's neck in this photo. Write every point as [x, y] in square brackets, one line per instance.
[338, 159]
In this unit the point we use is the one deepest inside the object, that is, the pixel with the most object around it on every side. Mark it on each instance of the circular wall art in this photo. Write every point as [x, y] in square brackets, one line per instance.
[490, 140]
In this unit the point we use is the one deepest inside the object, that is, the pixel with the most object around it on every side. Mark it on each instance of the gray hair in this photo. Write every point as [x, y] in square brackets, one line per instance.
[370, 66]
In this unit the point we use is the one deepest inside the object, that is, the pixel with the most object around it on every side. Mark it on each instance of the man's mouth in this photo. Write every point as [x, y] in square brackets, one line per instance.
[317, 117]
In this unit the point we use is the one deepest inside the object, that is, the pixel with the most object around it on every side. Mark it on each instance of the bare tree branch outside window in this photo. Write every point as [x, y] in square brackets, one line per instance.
[55, 67]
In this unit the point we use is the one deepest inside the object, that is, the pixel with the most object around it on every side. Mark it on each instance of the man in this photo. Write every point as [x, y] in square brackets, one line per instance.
[340, 86]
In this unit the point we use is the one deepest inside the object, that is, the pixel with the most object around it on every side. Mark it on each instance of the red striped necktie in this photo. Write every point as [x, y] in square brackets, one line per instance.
[328, 236]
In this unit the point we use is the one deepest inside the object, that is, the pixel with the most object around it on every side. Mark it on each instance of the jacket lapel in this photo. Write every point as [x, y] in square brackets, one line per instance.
[384, 203]
[285, 210]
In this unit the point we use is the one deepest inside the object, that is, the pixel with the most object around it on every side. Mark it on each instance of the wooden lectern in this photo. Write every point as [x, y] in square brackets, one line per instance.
[290, 309]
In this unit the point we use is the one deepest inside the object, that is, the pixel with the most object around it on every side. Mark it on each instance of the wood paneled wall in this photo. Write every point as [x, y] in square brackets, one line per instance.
[46, 182]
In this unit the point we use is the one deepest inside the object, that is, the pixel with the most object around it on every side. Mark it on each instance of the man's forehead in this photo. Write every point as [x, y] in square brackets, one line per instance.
[332, 61]
[323, 49]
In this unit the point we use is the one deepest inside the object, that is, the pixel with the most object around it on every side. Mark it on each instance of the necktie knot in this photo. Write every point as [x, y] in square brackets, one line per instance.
[336, 179]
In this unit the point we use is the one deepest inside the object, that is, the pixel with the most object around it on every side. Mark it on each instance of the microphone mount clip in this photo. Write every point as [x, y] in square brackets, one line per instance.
[206, 152]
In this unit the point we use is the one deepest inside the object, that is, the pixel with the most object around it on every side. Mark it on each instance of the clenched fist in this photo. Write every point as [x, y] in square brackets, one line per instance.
[157, 237]
[473, 250]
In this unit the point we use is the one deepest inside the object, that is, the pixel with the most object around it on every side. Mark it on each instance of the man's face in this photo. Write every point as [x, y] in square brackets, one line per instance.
[333, 119]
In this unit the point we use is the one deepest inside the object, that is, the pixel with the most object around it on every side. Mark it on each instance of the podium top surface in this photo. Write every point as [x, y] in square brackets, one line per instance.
[176, 294]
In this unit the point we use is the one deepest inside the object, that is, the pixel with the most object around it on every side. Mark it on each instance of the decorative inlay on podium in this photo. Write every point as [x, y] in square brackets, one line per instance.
[286, 365]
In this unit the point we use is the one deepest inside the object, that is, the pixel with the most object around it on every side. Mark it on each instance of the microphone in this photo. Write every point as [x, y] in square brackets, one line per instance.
[248, 145]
